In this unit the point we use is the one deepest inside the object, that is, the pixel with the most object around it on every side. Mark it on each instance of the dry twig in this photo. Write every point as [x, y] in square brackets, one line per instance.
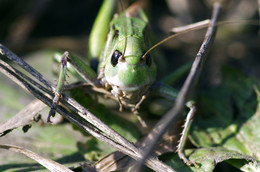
[49, 164]
[174, 114]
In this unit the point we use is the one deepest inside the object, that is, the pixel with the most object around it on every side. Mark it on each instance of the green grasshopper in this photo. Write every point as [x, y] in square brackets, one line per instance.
[126, 68]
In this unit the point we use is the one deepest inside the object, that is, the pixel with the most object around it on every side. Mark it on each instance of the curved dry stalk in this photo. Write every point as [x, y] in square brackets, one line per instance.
[92, 125]
[49, 164]
[25, 117]
[174, 114]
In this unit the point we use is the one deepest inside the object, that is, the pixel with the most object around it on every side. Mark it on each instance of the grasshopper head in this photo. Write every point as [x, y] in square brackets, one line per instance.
[127, 68]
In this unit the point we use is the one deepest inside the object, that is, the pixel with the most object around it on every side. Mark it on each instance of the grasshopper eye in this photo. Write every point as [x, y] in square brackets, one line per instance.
[116, 55]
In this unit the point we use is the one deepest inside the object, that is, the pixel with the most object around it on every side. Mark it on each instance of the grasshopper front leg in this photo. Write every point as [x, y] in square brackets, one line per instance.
[60, 85]
[80, 67]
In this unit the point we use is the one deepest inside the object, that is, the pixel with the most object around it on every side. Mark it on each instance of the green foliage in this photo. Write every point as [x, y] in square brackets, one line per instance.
[227, 123]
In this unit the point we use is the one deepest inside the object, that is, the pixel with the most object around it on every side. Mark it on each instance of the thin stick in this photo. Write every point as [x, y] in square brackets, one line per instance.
[47, 163]
[175, 113]
[192, 26]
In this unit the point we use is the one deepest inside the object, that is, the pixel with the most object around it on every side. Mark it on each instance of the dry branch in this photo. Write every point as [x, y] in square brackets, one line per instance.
[174, 114]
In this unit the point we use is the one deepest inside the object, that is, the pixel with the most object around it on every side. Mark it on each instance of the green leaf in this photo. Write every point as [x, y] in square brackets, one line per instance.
[208, 158]
[228, 119]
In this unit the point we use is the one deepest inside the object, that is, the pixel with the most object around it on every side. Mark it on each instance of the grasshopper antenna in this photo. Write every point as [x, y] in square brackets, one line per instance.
[197, 26]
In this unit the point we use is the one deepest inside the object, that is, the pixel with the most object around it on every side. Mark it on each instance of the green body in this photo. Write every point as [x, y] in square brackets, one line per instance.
[131, 77]
[125, 70]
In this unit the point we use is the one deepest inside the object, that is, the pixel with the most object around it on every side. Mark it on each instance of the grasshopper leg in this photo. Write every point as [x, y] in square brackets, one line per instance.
[171, 94]
[140, 119]
[135, 111]
[55, 103]
[81, 69]
[60, 85]
[185, 132]
[137, 106]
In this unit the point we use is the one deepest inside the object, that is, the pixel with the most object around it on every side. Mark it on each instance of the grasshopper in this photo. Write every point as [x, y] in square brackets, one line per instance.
[126, 67]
